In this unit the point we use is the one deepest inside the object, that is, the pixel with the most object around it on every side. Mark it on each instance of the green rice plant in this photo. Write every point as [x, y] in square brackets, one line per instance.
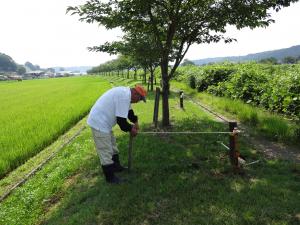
[33, 113]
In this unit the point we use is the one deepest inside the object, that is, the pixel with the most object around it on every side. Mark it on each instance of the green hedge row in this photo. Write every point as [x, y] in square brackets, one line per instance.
[274, 87]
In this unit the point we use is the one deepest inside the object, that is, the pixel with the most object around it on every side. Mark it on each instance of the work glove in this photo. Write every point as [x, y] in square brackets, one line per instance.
[136, 124]
[133, 131]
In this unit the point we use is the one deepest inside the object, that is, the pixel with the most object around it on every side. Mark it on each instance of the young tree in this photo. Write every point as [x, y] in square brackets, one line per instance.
[177, 24]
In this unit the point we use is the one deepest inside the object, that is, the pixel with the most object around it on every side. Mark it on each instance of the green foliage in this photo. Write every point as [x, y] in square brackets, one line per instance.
[7, 64]
[192, 81]
[275, 87]
[21, 70]
[290, 60]
[283, 91]
[212, 76]
[205, 76]
[270, 60]
[31, 66]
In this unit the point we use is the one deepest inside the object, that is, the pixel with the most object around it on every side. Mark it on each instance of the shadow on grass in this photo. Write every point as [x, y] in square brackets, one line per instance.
[181, 180]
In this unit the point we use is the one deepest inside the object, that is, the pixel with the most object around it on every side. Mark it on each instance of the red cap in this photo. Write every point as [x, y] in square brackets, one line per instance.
[142, 92]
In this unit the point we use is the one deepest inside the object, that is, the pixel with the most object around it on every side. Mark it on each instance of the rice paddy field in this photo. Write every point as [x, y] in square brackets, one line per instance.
[33, 113]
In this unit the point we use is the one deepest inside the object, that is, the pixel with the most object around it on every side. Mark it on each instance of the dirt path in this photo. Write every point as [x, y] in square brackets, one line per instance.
[276, 150]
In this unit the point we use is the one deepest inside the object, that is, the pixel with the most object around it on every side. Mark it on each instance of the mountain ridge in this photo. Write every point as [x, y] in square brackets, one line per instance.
[279, 54]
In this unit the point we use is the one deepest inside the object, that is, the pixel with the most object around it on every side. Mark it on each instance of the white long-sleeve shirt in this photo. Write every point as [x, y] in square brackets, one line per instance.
[112, 104]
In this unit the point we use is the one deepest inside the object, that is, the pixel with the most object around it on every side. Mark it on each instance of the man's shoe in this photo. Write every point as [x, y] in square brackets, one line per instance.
[117, 165]
[110, 177]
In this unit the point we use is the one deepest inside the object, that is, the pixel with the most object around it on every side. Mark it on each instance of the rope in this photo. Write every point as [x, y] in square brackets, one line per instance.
[225, 146]
[185, 132]
[257, 161]
[40, 165]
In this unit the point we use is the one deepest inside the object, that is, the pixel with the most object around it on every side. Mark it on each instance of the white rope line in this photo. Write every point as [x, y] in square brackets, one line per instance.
[184, 132]
[247, 164]
[225, 146]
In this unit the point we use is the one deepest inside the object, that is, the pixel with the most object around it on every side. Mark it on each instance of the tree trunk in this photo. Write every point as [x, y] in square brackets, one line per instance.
[151, 79]
[145, 77]
[165, 93]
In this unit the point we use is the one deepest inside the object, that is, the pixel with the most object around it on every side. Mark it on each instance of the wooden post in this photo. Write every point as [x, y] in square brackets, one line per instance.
[130, 153]
[156, 106]
[234, 152]
[181, 99]
[148, 85]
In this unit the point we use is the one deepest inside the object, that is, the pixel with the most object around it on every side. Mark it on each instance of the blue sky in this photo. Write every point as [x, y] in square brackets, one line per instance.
[40, 32]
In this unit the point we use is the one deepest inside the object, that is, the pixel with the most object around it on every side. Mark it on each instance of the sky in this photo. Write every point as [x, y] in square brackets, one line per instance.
[40, 31]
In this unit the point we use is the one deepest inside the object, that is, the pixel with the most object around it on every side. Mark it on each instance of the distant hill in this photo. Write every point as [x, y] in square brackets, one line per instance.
[279, 54]
[80, 69]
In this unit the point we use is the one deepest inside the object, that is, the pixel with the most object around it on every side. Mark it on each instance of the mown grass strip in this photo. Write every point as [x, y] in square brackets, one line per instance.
[36, 112]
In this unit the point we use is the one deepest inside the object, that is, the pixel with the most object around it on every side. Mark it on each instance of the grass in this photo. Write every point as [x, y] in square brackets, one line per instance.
[262, 123]
[175, 180]
[34, 113]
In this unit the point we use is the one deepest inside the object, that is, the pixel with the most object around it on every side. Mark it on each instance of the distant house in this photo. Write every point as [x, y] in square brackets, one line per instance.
[10, 76]
[15, 77]
[35, 74]
[65, 73]
[49, 74]
[3, 77]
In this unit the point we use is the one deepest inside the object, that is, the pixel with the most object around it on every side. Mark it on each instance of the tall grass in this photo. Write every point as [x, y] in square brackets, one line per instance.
[33, 113]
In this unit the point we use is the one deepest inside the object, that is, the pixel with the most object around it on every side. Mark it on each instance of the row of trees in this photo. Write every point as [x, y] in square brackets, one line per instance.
[285, 60]
[164, 30]
[128, 63]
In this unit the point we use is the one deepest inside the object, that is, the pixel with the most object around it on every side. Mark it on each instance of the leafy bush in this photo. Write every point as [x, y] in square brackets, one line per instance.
[192, 81]
[283, 92]
[212, 76]
[275, 87]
